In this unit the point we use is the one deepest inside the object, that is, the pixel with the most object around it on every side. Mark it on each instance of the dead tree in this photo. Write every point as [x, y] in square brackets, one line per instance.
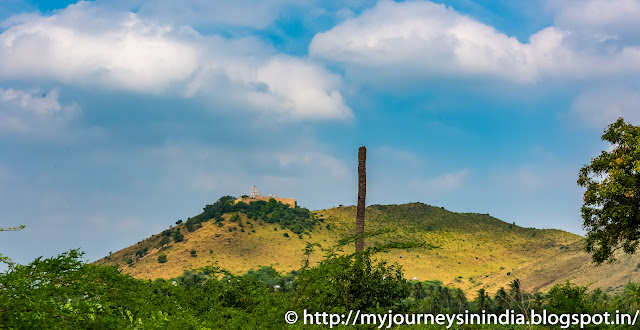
[362, 192]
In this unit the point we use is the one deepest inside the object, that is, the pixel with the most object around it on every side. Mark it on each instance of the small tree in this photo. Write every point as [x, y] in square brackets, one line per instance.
[162, 258]
[611, 210]
[193, 253]
[165, 240]
[482, 300]
[177, 236]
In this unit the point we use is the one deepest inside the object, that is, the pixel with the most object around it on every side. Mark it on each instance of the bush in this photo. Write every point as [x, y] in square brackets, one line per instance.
[162, 258]
[285, 235]
[193, 253]
[140, 253]
[165, 240]
[177, 236]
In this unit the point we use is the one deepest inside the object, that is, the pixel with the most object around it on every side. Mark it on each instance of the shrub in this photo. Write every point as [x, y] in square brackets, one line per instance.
[162, 258]
[164, 240]
[177, 236]
[140, 253]
[285, 235]
[193, 253]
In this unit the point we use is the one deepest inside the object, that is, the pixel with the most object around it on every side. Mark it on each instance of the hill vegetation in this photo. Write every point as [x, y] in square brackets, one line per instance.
[64, 292]
[475, 250]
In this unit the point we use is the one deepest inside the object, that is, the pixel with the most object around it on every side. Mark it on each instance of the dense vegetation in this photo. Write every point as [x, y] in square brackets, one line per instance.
[611, 209]
[298, 219]
[65, 292]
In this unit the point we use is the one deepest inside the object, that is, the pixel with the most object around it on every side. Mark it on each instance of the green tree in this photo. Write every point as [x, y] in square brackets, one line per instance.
[482, 300]
[162, 258]
[164, 240]
[177, 236]
[611, 209]
[567, 298]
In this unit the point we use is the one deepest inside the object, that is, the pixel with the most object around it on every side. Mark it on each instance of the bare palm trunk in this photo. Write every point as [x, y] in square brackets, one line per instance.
[362, 192]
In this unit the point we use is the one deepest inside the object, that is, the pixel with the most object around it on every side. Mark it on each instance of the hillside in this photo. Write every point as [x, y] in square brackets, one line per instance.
[475, 250]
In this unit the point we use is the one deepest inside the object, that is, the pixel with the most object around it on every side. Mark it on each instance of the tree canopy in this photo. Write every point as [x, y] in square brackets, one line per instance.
[611, 209]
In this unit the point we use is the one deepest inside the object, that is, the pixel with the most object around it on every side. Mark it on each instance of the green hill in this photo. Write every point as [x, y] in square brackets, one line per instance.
[475, 250]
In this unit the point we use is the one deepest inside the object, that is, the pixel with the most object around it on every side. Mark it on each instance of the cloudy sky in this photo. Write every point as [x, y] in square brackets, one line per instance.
[119, 117]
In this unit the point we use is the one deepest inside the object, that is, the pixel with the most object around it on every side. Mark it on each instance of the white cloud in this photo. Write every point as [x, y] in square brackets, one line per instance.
[611, 18]
[89, 45]
[28, 111]
[602, 107]
[424, 39]
[82, 45]
[299, 89]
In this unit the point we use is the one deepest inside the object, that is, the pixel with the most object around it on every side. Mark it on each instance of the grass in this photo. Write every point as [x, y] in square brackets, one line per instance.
[471, 246]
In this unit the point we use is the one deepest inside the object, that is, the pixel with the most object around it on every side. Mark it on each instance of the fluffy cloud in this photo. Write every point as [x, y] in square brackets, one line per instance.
[81, 45]
[426, 39]
[92, 46]
[606, 19]
[27, 111]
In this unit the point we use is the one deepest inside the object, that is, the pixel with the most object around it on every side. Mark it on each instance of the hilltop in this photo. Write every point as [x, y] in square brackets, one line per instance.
[475, 250]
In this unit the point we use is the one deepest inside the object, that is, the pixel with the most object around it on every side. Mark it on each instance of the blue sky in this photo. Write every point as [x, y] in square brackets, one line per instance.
[118, 118]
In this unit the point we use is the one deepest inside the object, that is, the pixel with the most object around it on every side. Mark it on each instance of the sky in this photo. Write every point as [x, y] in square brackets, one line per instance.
[119, 117]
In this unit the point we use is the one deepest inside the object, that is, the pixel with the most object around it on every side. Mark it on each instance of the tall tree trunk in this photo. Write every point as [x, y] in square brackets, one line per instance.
[362, 192]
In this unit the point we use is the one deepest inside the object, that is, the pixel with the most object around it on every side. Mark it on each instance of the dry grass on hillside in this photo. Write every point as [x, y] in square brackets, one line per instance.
[476, 251]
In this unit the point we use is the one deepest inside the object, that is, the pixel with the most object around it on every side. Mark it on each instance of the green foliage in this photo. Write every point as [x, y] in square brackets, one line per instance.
[164, 240]
[193, 253]
[191, 224]
[352, 281]
[66, 293]
[567, 298]
[611, 209]
[142, 252]
[21, 227]
[178, 222]
[177, 236]
[162, 258]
